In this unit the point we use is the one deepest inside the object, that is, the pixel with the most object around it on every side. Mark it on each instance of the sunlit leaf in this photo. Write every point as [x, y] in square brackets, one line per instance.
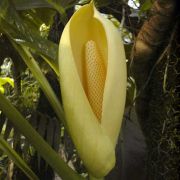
[4, 80]
[2, 89]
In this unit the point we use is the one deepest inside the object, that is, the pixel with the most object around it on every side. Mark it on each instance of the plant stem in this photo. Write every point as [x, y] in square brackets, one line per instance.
[17, 159]
[22, 125]
[44, 84]
[94, 178]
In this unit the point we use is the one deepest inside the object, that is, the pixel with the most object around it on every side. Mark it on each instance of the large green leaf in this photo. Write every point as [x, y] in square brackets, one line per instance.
[44, 84]
[11, 24]
[57, 5]
[22, 125]
[38, 17]
[30, 4]
[17, 159]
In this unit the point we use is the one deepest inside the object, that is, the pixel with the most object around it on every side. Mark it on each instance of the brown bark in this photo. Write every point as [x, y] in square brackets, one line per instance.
[150, 42]
[155, 68]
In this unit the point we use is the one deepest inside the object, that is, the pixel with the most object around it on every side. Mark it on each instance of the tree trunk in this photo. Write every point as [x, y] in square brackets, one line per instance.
[155, 69]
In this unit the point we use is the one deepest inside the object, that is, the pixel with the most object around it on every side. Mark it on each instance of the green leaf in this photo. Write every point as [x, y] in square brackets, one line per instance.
[17, 159]
[57, 5]
[1, 89]
[12, 25]
[38, 16]
[44, 84]
[37, 141]
[146, 6]
[30, 4]
[4, 80]
[131, 91]
[102, 3]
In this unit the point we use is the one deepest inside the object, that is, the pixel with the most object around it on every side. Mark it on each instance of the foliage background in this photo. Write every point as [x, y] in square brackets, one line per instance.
[147, 147]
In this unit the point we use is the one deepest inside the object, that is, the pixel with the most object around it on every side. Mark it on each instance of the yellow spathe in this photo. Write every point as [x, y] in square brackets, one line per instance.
[92, 69]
